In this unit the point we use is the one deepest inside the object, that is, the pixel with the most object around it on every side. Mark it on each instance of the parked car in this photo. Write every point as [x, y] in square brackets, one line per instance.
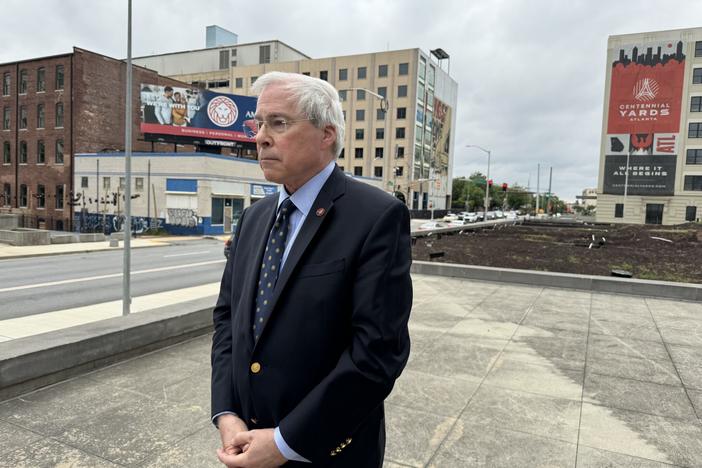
[490, 215]
[470, 217]
[450, 217]
[511, 215]
[499, 214]
[432, 225]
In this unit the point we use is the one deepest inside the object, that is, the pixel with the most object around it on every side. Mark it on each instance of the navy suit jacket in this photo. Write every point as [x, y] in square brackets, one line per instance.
[337, 336]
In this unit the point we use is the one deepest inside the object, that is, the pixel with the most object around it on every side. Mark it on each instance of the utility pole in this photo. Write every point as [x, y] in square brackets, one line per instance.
[538, 173]
[126, 296]
[548, 200]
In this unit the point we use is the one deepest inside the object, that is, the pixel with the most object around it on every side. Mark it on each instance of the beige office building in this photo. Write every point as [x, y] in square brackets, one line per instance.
[650, 167]
[408, 147]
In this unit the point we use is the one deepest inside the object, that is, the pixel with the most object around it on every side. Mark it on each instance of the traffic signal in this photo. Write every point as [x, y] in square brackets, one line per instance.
[504, 187]
[490, 182]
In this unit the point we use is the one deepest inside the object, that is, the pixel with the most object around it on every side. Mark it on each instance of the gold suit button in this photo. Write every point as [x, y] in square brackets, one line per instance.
[255, 367]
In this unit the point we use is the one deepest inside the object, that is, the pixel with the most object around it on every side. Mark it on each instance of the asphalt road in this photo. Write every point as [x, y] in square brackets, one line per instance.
[43, 284]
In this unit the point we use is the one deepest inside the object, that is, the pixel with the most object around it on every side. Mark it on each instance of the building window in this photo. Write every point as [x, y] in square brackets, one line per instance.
[6, 80]
[23, 152]
[264, 54]
[401, 112]
[697, 76]
[379, 114]
[40, 115]
[324, 75]
[379, 133]
[23, 196]
[360, 95]
[694, 156]
[695, 130]
[341, 155]
[691, 211]
[696, 104]
[402, 91]
[106, 183]
[83, 182]
[6, 155]
[404, 69]
[139, 184]
[382, 71]
[343, 74]
[239, 82]
[383, 91]
[360, 115]
[7, 195]
[59, 197]
[253, 79]
[23, 82]
[342, 95]
[59, 151]
[400, 132]
[59, 114]
[619, 210]
[41, 79]
[359, 134]
[693, 183]
[361, 73]
[306, 73]
[378, 171]
[41, 152]
[23, 117]
[400, 152]
[223, 59]
[422, 67]
[358, 171]
[698, 49]
[59, 77]
[358, 153]
[399, 170]
[41, 196]
[379, 153]
[343, 114]
[122, 183]
[6, 118]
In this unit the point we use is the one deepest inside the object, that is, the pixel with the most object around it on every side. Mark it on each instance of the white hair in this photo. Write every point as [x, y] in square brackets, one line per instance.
[316, 99]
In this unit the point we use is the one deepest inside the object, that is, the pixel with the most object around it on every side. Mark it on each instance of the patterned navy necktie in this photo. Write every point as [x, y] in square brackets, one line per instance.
[270, 266]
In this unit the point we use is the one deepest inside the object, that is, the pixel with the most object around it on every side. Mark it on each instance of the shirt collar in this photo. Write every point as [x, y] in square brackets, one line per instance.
[304, 197]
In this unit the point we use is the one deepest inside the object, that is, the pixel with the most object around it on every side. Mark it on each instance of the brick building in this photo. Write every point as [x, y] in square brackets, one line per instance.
[52, 108]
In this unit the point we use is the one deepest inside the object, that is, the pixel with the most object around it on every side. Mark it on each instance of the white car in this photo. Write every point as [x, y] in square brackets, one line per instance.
[450, 218]
[511, 215]
[470, 217]
[432, 225]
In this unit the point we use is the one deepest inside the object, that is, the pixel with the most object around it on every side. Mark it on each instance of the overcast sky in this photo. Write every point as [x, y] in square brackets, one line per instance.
[530, 73]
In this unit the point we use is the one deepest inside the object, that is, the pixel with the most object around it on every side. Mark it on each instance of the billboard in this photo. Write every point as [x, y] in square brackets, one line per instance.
[196, 113]
[644, 118]
[441, 133]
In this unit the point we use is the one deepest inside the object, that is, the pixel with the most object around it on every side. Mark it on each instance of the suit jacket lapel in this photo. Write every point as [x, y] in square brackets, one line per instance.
[259, 235]
[333, 188]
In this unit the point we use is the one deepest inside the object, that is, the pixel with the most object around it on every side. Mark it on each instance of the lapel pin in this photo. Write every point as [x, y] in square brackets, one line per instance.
[320, 212]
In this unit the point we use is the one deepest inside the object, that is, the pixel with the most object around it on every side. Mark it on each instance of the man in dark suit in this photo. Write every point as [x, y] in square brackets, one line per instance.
[311, 320]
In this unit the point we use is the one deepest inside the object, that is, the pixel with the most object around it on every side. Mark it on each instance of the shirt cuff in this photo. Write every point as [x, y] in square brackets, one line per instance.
[214, 418]
[285, 449]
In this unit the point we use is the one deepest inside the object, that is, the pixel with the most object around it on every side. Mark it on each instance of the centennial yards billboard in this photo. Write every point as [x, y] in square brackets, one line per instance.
[644, 119]
[197, 114]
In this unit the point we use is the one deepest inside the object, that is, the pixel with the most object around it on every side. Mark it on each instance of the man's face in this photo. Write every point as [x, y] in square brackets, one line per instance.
[294, 156]
[168, 94]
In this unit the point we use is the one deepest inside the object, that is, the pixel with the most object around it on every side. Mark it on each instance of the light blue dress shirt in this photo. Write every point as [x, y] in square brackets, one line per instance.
[303, 199]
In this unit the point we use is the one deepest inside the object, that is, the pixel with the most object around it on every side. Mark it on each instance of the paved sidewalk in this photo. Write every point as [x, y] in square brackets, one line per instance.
[500, 375]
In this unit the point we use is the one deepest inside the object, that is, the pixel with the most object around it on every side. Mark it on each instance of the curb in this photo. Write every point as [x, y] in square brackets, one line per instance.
[27, 364]
[604, 284]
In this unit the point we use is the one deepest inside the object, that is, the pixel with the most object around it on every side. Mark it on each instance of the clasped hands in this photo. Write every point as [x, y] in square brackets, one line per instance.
[242, 448]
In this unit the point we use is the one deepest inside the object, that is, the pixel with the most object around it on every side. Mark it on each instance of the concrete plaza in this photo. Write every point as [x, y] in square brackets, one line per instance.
[500, 375]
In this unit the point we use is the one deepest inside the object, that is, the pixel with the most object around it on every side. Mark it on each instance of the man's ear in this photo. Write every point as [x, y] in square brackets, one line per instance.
[329, 136]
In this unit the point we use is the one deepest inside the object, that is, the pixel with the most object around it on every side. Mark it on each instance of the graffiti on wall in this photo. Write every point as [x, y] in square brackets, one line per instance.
[90, 222]
[185, 217]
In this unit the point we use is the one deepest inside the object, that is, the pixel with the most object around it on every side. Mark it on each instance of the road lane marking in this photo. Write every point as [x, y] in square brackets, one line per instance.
[114, 275]
[49, 321]
[188, 253]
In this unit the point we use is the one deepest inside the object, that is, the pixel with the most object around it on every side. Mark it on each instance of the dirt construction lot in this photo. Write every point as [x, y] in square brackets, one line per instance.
[667, 253]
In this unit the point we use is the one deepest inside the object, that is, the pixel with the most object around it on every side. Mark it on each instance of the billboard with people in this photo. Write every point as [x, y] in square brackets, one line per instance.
[196, 113]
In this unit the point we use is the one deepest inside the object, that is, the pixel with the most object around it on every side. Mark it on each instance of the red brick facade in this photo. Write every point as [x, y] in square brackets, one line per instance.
[92, 99]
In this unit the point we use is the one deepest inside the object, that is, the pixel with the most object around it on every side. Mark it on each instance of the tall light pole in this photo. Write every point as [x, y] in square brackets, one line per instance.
[126, 294]
[487, 178]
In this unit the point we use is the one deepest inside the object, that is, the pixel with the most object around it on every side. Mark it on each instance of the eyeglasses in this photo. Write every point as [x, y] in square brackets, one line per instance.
[275, 125]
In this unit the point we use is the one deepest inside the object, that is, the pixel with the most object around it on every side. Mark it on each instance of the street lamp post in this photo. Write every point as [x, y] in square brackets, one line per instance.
[487, 178]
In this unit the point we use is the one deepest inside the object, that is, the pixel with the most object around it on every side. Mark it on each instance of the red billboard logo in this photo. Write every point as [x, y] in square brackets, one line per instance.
[646, 89]
[222, 111]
